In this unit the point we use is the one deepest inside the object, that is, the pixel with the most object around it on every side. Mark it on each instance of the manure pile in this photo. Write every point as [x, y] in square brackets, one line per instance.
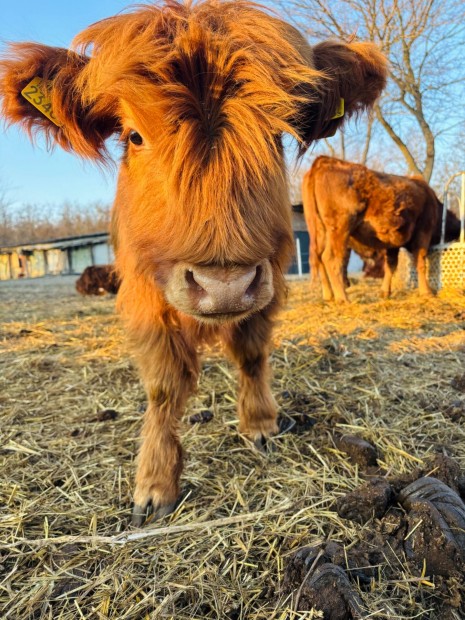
[357, 513]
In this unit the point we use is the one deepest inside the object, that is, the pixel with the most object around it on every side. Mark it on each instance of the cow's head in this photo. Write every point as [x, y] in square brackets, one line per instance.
[200, 96]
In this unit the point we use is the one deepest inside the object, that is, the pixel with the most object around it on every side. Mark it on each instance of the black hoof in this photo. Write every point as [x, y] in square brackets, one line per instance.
[140, 514]
[263, 444]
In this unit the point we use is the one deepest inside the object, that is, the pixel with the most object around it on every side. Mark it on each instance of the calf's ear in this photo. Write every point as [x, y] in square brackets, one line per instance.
[354, 77]
[65, 119]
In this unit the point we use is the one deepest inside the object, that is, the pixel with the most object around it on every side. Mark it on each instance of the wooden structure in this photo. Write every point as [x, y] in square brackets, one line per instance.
[54, 257]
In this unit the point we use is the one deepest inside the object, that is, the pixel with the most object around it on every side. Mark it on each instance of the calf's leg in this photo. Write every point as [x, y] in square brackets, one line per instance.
[249, 345]
[419, 247]
[170, 369]
[419, 257]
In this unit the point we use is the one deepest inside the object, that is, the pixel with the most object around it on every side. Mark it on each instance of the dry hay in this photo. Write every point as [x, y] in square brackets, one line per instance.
[390, 372]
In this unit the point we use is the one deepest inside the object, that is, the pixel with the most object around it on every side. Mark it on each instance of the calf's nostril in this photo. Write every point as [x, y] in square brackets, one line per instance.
[254, 285]
[191, 281]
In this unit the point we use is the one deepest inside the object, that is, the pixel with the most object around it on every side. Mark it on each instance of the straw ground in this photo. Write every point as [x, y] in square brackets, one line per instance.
[387, 371]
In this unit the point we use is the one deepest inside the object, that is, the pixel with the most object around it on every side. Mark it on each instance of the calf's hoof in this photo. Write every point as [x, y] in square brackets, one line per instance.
[265, 444]
[141, 512]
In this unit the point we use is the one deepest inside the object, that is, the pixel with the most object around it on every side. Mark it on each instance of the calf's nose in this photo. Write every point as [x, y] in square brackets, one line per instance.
[222, 290]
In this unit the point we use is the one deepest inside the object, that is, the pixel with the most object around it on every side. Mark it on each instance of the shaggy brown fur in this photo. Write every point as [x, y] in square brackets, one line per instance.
[346, 204]
[200, 95]
[98, 280]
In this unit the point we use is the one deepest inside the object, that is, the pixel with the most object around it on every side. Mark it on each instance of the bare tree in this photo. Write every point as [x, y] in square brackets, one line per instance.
[425, 42]
[22, 224]
[6, 220]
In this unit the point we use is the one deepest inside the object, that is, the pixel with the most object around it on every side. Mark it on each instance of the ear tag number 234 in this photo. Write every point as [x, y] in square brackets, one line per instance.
[36, 93]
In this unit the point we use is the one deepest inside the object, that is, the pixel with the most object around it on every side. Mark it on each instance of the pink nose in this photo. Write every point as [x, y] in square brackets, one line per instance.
[221, 290]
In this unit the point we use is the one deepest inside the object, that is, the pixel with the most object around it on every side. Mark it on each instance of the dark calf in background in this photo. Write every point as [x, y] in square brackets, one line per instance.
[98, 280]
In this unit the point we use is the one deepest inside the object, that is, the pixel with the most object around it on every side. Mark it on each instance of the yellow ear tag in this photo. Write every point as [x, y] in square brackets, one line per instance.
[339, 110]
[36, 93]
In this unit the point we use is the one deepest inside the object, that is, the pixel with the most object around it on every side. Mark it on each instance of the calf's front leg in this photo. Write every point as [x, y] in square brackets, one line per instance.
[249, 345]
[420, 255]
[170, 370]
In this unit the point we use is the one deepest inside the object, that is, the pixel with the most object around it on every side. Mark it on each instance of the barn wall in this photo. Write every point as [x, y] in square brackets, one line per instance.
[5, 271]
[80, 258]
[61, 256]
[16, 269]
[57, 262]
[36, 265]
[103, 254]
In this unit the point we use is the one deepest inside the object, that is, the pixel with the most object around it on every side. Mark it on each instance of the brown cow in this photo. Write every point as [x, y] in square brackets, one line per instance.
[348, 205]
[200, 95]
[98, 280]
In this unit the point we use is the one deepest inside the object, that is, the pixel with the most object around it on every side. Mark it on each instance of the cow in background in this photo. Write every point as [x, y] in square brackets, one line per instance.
[348, 205]
[200, 95]
[98, 280]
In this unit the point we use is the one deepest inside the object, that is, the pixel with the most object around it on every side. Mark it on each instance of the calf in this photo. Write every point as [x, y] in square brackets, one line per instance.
[98, 280]
[348, 205]
[200, 96]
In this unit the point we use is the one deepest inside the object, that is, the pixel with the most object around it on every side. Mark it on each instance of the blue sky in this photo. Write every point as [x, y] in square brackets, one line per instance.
[32, 174]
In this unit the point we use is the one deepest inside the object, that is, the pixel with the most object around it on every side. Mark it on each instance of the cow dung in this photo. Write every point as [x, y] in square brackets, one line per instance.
[357, 449]
[414, 518]
[202, 417]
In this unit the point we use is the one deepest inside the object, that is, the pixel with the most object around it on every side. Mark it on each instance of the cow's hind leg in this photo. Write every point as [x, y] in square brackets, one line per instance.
[390, 265]
[327, 291]
[170, 370]
[333, 257]
[318, 273]
[248, 344]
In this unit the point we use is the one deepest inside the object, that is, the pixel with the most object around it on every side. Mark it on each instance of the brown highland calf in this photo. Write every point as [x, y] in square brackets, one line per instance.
[200, 95]
[348, 205]
[98, 280]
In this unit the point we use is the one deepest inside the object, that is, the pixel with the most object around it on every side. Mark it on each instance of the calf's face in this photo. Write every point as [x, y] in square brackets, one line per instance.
[208, 221]
[200, 97]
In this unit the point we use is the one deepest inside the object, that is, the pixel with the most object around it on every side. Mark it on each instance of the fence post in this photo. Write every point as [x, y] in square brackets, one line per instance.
[299, 256]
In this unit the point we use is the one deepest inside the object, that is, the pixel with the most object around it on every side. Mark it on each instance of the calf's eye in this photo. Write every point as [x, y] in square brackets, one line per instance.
[135, 138]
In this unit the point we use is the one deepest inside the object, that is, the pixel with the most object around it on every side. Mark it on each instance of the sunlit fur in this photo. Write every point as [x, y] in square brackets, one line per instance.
[349, 205]
[211, 87]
